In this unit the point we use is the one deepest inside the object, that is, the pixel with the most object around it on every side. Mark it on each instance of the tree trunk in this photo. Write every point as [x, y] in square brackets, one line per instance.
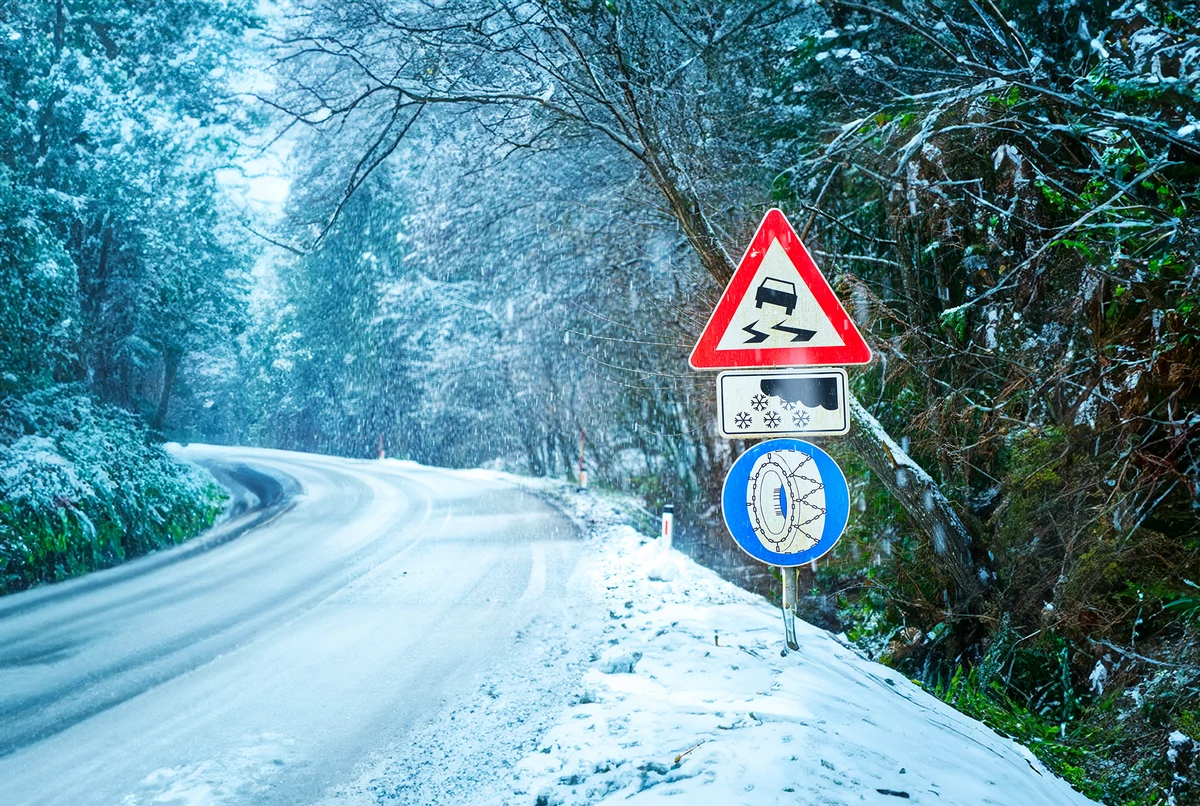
[686, 208]
[170, 371]
[920, 496]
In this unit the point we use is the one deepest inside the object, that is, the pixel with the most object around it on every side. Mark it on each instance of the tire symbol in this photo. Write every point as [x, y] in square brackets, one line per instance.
[786, 501]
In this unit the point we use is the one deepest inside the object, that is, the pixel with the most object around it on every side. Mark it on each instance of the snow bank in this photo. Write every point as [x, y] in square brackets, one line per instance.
[692, 701]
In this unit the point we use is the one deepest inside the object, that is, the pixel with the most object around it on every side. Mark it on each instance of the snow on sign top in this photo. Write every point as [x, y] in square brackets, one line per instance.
[778, 310]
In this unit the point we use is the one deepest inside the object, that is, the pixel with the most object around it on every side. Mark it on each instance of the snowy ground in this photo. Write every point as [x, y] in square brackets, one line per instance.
[688, 699]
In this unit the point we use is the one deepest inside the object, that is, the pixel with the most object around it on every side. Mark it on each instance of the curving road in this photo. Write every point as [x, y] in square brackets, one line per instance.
[343, 607]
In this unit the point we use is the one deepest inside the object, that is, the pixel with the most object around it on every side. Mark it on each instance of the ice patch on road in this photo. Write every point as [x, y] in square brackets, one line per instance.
[241, 774]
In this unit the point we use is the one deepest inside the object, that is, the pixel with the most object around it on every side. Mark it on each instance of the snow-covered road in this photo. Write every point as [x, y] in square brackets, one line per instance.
[405, 635]
[268, 668]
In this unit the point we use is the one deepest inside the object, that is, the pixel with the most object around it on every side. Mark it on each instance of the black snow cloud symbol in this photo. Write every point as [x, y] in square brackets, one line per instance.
[812, 392]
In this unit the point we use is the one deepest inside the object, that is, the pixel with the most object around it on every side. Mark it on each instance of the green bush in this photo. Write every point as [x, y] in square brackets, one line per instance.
[82, 487]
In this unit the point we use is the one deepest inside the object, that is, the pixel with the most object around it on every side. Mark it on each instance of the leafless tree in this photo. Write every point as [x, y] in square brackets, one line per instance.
[678, 87]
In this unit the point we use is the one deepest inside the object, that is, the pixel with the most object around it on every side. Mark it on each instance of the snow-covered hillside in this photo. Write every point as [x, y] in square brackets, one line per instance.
[691, 701]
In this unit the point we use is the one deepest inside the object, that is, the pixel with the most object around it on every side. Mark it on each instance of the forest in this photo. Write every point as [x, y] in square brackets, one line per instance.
[505, 225]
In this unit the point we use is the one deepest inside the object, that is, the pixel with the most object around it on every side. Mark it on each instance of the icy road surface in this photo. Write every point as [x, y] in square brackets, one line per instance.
[266, 669]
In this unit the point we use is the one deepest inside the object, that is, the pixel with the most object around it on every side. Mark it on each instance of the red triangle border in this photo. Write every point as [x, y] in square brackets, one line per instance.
[775, 226]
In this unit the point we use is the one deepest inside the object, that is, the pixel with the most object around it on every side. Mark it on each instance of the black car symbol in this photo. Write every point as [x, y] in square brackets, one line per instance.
[776, 292]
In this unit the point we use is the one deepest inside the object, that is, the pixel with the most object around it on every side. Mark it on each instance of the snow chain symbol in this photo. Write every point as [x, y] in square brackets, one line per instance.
[786, 503]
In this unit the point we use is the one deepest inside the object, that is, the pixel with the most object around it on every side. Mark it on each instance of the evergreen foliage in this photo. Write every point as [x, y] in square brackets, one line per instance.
[118, 273]
[509, 224]
[1013, 194]
[82, 487]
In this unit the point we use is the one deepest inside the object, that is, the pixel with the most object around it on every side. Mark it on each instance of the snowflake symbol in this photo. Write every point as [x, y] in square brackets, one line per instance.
[743, 420]
[788, 405]
[758, 402]
[801, 419]
[772, 420]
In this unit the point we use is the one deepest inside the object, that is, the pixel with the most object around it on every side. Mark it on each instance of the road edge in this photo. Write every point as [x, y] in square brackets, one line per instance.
[273, 490]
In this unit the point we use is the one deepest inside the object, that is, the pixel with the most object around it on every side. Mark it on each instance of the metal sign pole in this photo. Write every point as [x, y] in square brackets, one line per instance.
[790, 601]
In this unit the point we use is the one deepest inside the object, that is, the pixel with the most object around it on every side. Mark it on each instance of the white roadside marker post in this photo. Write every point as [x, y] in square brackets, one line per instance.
[668, 526]
[791, 599]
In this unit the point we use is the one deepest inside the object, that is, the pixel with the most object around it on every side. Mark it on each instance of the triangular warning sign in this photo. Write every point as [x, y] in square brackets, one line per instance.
[778, 310]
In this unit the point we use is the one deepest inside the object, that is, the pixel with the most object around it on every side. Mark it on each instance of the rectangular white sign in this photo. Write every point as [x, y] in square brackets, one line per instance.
[796, 402]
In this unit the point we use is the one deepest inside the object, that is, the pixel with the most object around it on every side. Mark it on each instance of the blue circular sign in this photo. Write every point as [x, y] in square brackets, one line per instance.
[785, 502]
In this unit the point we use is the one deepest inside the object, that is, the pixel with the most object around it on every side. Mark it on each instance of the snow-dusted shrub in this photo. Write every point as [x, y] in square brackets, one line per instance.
[82, 487]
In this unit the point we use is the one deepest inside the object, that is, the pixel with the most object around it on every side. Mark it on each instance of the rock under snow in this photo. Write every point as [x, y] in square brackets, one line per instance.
[618, 660]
